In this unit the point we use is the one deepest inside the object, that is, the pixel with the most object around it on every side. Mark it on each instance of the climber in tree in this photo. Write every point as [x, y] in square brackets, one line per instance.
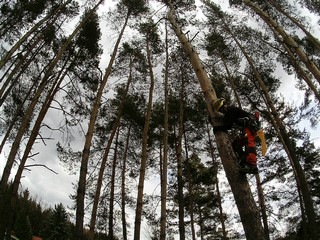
[249, 126]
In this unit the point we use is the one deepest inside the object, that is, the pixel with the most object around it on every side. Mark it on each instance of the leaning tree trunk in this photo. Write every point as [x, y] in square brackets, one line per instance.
[287, 39]
[231, 81]
[15, 47]
[248, 210]
[18, 108]
[33, 136]
[81, 191]
[144, 151]
[20, 67]
[300, 70]
[34, 101]
[314, 40]
[301, 178]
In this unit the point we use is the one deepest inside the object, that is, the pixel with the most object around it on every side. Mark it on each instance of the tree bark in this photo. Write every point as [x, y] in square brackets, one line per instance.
[123, 187]
[164, 172]
[263, 208]
[190, 187]
[144, 151]
[179, 165]
[113, 179]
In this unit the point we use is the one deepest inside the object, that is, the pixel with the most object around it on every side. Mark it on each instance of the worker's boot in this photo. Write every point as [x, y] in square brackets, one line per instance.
[247, 168]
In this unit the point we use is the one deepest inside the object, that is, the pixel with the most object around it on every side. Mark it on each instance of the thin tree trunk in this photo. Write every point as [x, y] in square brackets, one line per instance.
[230, 80]
[123, 187]
[296, 65]
[144, 151]
[87, 145]
[179, 165]
[314, 40]
[201, 224]
[28, 148]
[219, 199]
[113, 178]
[190, 187]
[105, 157]
[7, 70]
[13, 77]
[247, 207]
[300, 70]
[263, 208]
[287, 39]
[164, 172]
[16, 143]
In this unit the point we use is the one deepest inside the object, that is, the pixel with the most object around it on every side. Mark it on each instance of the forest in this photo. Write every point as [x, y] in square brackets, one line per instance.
[124, 91]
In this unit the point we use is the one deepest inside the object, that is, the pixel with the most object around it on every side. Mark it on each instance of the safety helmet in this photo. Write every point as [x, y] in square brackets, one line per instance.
[217, 104]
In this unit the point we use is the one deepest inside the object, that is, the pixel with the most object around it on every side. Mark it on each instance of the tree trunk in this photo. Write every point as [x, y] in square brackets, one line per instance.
[28, 148]
[201, 224]
[144, 151]
[86, 149]
[31, 107]
[287, 39]
[190, 186]
[123, 187]
[178, 147]
[248, 210]
[300, 70]
[230, 80]
[164, 172]
[219, 199]
[113, 177]
[14, 76]
[105, 158]
[263, 208]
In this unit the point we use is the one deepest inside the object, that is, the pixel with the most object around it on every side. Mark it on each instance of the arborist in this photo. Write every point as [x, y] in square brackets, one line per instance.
[249, 125]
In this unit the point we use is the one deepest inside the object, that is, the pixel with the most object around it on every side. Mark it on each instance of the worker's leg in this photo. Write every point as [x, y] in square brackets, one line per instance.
[237, 145]
[250, 148]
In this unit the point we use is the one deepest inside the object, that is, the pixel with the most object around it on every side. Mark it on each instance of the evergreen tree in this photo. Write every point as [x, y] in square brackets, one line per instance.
[58, 224]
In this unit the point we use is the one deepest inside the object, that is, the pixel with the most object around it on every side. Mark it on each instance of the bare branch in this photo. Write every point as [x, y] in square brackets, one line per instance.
[39, 165]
